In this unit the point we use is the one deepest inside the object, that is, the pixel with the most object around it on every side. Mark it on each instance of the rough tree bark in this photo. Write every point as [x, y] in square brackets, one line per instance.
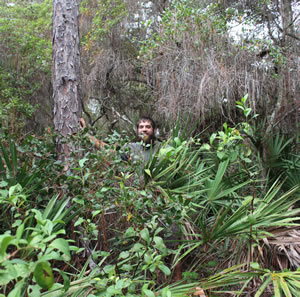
[287, 42]
[286, 14]
[66, 73]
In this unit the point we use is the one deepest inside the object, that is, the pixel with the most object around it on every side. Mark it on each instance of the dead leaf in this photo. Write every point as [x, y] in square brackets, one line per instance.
[199, 292]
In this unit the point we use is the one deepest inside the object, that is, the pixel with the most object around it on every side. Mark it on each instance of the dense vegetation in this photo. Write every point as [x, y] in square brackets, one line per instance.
[223, 213]
[214, 213]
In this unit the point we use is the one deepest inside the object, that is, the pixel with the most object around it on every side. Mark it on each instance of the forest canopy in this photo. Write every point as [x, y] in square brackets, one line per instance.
[196, 57]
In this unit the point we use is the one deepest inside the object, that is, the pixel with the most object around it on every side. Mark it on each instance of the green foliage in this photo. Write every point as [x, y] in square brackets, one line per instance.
[32, 242]
[24, 34]
[106, 16]
[180, 19]
[14, 172]
[196, 205]
[23, 30]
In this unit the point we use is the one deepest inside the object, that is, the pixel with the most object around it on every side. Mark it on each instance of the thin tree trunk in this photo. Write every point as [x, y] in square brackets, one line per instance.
[286, 15]
[66, 73]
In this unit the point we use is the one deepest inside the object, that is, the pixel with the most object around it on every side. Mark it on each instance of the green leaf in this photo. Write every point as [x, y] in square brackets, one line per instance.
[247, 111]
[164, 269]
[263, 286]
[244, 99]
[43, 275]
[221, 155]
[148, 172]
[33, 291]
[20, 231]
[124, 255]
[137, 247]
[123, 283]
[212, 138]
[14, 188]
[5, 240]
[148, 293]
[166, 292]
[65, 278]
[285, 287]
[240, 107]
[79, 221]
[96, 212]
[82, 161]
[3, 184]
[205, 147]
[109, 268]
[127, 267]
[145, 235]
[148, 258]
[112, 291]
[255, 265]
[276, 288]
[130, 232]
[62, 245]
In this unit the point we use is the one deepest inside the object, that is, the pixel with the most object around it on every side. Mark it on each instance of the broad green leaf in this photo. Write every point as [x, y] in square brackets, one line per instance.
[130, 232]
[254, 265]
[109, 268]
[166, 292]
[13, 189]
[124, 255]
[145, 235]
[113, 291]
[148, 293]
[123, 283]
[82, 161]
[62, 245]
[96, 212]
[43, 275]
[164, 269]
[137, 247]
[5, 240]
[79, 221]
[212, 138]
[33, 291]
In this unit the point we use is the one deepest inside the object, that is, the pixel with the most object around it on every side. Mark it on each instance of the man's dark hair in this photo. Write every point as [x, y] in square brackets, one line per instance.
[146, 119]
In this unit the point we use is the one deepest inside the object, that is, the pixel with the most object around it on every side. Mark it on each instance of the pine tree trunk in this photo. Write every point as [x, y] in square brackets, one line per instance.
[66, 73]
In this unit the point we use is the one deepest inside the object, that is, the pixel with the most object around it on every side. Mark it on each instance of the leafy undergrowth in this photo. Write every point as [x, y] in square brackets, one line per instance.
[197, 219]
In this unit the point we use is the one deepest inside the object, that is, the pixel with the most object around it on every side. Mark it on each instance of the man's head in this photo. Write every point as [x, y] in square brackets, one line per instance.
[146, 129]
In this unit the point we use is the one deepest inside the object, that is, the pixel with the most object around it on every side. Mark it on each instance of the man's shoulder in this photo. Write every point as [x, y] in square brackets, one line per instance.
[133, 146]
[137, 146]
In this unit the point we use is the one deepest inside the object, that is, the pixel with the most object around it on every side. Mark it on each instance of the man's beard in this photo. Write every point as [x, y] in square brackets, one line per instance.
[148, 139]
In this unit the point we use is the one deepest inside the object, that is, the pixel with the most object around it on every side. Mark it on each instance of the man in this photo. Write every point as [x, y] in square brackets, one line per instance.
[146, 145]
[142, 150]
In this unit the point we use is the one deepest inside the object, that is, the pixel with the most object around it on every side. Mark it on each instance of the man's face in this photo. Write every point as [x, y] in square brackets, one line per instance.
[145, 131]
